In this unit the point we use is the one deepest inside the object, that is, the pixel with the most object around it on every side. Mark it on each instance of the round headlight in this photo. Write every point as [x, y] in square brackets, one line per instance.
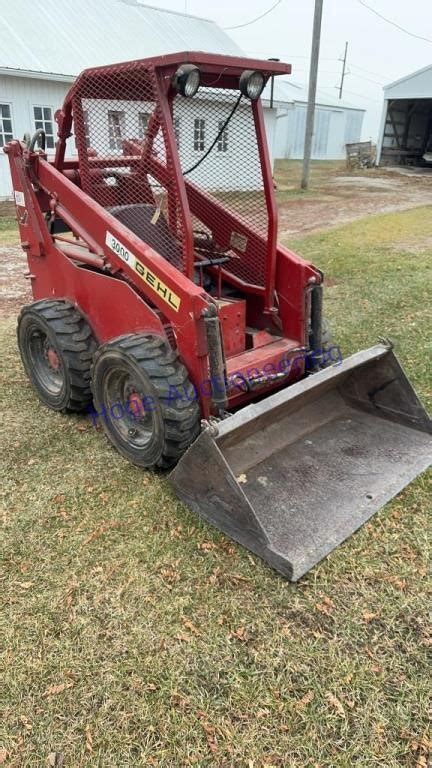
[187, 80]
[251, 84]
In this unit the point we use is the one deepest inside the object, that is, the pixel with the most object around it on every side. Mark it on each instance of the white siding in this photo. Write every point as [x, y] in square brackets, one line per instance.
[332, 130]
[23, 94]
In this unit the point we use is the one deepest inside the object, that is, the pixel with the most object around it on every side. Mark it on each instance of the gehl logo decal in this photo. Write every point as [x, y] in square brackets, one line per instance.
[144, 272]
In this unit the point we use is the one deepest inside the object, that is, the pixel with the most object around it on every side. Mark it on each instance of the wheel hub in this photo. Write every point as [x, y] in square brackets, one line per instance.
[53, 358]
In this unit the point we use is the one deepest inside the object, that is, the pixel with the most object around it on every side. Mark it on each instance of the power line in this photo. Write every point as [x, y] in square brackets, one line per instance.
[367, 79]
[369, 72]
[352, 93]
[248, 23]
[291, 55]
[393, 23]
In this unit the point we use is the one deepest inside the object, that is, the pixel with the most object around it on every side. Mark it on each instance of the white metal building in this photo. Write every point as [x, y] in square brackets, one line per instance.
[337, 123]
[405, 136]
[39, 61]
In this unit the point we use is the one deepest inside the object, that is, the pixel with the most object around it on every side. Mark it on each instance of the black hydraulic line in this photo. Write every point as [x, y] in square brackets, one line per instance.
[39, 138]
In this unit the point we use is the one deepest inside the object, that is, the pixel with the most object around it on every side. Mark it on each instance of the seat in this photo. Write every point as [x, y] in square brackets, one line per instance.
[141, 220]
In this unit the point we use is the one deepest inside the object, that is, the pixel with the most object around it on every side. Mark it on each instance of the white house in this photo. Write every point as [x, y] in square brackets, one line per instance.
[405, 136]
[39, 61]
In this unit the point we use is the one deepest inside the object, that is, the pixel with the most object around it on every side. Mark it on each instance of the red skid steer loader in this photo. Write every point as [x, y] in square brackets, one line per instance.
[165, 306]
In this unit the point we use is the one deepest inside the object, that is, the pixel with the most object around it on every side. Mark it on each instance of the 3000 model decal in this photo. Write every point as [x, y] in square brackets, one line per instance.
[144, 272]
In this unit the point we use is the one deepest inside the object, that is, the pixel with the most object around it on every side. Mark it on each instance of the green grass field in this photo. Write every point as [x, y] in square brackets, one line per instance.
[133, 634]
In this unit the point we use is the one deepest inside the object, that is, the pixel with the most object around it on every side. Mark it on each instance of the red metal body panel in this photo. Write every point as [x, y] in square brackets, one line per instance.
[121, 283]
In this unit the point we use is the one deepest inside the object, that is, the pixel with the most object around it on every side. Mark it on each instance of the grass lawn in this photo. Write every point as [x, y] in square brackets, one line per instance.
[132, 634]
[8, 230]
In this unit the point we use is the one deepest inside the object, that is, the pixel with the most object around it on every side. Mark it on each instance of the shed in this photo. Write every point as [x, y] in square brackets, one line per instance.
[405, 136]
[337, 123]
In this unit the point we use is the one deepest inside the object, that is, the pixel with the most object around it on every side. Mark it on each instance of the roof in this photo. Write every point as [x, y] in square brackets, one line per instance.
[292, 93]
[409, 77]
[63, 37]
[72, 35]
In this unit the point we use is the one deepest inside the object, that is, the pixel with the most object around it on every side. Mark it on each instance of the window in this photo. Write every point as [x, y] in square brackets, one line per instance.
[199, 134]
[222, 144]
[143, 121]
[176, 125]
[43, 118]
[116, 128]
[6, 133]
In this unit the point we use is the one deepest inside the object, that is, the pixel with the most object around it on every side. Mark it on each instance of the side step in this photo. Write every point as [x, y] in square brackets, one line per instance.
[294, 475]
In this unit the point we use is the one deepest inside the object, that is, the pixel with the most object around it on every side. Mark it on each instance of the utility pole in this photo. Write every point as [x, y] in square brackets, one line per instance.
[344, 60]
[313, 76]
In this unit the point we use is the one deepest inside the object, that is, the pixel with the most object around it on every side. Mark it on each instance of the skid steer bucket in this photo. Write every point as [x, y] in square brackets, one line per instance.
[294, 475]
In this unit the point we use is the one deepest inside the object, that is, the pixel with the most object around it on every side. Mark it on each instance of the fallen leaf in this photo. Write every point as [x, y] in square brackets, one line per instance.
[369, 616]
[208, 730]
[26, 722]
[206, 546]
[89, 739]
[103, 528]
[188, 624]
[183, 638]
[238, 634]
[241, 478]
[326, 606]
[3, 756]
[336, 704]
[53, 690]
[25, 584]
[305, 700]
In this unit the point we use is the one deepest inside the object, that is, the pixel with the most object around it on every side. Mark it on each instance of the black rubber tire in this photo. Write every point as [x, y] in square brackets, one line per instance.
[57, 327]
[145, 364]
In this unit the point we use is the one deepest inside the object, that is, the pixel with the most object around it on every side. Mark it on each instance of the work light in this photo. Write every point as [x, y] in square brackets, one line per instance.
[251, 84]
[186, 80]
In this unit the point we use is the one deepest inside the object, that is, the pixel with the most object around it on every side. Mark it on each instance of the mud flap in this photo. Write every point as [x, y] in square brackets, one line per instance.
[294, 475]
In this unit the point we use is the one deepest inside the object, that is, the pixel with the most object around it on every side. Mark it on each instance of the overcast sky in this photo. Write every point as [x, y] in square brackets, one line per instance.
[377, 52]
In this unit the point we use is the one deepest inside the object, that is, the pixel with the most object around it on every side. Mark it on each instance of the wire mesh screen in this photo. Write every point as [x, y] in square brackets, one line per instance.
[229, 175]
[124, 162]
[126, 166]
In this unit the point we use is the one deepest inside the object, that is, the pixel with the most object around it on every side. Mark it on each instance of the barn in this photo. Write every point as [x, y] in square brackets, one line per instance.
[36, 71]
[406, 124]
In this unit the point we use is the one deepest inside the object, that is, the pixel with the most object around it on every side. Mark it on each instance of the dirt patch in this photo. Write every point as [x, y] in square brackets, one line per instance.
[7, 208]
[421, 244]
[15, 290]
[344, 199]
[368, 182]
